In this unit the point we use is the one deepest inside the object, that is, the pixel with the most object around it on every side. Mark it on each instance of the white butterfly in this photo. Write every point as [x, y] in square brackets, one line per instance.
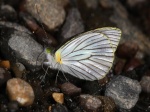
[88, 56]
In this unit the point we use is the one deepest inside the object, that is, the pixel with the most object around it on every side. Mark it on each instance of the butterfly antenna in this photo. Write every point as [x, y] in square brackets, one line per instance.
[56, 77]
[41, 53]
[43, 77]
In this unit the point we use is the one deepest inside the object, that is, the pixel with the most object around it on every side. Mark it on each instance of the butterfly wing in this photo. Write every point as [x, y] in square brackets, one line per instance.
[88, 56]
[114, 34]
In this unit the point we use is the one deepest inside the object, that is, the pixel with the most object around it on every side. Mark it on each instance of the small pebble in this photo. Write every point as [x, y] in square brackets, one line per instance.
[4, 76]
[124, 91]
[73, 24]
[145, 84]
[127, 50]
[59, 108]
[108, 104]
[132, 64]
[70, 89]
[19, 69]
[90, 103]
[20, 91]
[5, 64]
[58, 97]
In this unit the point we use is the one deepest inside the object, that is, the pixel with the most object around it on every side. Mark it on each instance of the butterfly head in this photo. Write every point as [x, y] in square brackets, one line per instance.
[52, 59]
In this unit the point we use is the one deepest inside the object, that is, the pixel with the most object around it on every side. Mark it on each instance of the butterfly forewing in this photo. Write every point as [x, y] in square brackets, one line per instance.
[114, 34]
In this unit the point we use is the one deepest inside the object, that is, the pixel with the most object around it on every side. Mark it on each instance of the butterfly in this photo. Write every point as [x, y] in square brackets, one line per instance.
[88, 56]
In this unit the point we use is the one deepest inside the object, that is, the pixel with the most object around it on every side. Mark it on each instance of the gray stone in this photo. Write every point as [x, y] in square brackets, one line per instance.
[73, 24]
[20, 46]
[49, 12]
[124, 91]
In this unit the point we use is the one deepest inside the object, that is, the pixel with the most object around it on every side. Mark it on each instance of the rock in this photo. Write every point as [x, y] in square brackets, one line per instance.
[90, 103]
[4, 76]
[124, 91]
[59, 108]
[13, 106]
[127, 50]
[106, 3]
[73, 24]
[70, 89]
[8, 13]
[108, 104]
[145, 84]
[49, 12]
[20, 91]
[18, 45]
[132, 64]
[58, 97]
[18, 69]
[93, 4]
[5, 64]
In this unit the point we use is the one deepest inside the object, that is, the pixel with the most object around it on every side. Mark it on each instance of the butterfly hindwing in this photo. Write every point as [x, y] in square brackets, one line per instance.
[88, 56]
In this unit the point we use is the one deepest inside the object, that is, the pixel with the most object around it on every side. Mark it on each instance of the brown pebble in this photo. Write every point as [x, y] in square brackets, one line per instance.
[127, 50]
[132, 64]
[119, 66]
[145, 84]
[70, 89]
[5, 64]
[18, 69]
[108, 104]
[20, 91]
[58, 97]
[90, 103]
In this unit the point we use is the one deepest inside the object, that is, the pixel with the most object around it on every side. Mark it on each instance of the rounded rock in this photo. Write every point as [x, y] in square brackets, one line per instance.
[90, 103]
[127, 50]
[50, 12]
[124, 91]
[20, 91]
[70, 89]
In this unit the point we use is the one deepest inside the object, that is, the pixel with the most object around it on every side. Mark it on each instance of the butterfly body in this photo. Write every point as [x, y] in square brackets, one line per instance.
[88, 56]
